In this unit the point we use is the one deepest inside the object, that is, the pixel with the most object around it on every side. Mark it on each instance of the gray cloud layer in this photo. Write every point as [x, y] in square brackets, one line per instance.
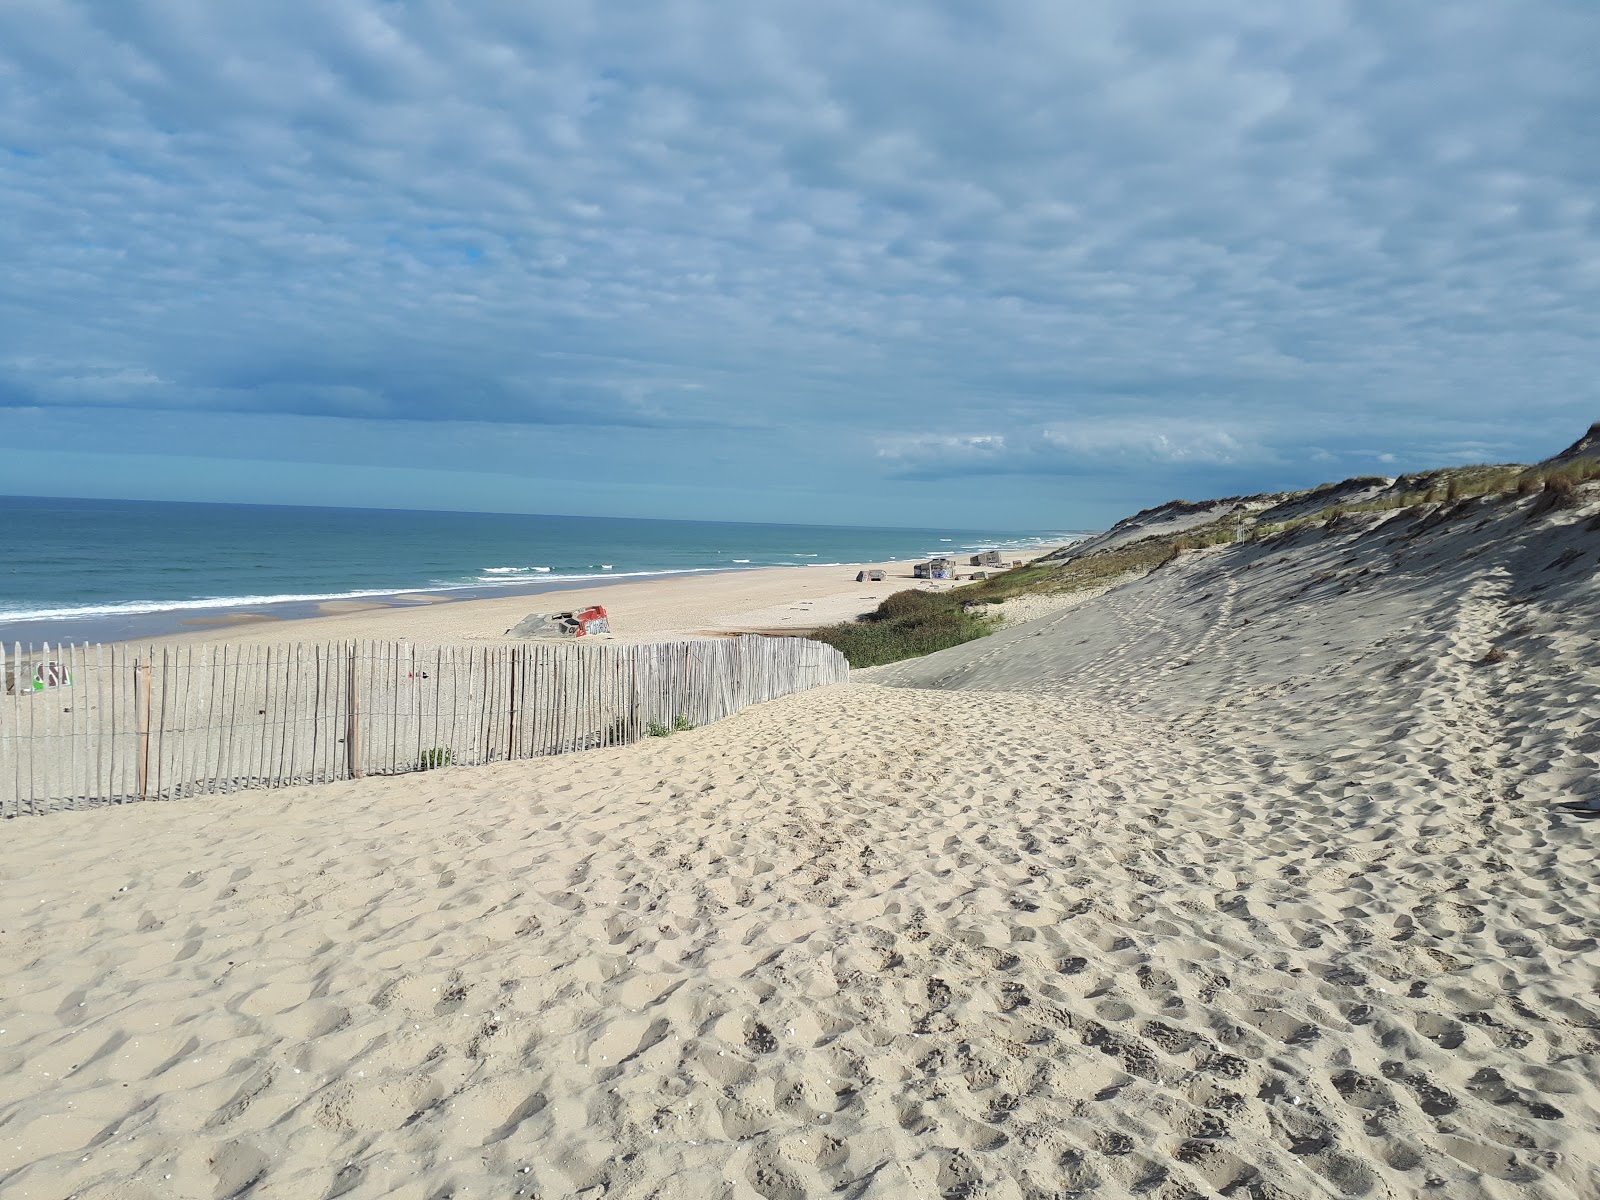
[1151, 241]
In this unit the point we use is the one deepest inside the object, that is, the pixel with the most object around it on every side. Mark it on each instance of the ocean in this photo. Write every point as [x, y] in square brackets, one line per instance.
[110, 570]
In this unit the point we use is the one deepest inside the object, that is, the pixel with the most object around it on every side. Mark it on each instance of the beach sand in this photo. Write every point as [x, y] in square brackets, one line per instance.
[224, 620]
[767, 599]
[1249, 878]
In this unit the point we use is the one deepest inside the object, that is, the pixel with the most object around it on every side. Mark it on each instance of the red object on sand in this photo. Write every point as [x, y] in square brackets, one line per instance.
[593, 620]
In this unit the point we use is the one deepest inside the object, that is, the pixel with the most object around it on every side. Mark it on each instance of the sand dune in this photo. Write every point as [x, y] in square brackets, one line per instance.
[1249, 879]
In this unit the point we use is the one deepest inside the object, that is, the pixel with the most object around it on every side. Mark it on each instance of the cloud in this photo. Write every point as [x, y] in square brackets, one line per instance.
[1086, 449]
[1261, 233]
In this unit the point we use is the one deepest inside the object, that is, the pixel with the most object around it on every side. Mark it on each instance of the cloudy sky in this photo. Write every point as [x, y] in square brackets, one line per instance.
[1028, 263]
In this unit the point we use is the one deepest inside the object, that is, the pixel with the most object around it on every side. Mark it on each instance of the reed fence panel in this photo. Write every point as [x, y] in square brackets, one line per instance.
[85, 725]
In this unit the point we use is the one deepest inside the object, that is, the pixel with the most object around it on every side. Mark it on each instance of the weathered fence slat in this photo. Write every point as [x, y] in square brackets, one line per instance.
[119, 723]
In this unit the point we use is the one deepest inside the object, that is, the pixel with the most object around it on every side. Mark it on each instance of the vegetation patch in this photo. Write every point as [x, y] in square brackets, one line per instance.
[1556, 486]
[906, 625]
[680, 724]
[916, 622]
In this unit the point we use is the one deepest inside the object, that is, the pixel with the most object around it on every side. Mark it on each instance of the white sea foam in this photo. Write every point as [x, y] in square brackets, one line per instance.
[134, 607]
[131, 608]
[580, 576]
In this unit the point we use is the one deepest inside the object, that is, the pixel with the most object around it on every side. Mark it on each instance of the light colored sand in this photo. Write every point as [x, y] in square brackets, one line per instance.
[768, 599]
[223, 620]
[1020, 609]
[336, 607]
[1247, 879]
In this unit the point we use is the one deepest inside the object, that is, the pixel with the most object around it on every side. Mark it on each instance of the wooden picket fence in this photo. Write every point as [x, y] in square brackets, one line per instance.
[85, 725]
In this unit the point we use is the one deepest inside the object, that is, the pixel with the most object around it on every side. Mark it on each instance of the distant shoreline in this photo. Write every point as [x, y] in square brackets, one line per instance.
[712, 603]
[226, 612]
[90, 571]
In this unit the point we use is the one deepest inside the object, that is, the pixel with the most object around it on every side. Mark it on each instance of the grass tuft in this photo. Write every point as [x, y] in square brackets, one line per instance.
[916, 622]
[906, 625]
[680, 724]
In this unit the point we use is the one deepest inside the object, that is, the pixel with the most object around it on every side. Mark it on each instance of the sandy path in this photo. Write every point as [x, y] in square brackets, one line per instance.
[1252, 878]
[858, 942]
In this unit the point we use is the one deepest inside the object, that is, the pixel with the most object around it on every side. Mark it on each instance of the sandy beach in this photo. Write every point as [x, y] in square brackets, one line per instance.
[1253, 877]
[764, 600]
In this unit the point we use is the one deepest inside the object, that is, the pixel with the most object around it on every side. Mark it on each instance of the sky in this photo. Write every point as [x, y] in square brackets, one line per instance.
[1023, 264]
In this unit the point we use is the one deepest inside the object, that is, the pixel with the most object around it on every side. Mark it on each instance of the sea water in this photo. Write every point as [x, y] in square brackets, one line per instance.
[101, 570]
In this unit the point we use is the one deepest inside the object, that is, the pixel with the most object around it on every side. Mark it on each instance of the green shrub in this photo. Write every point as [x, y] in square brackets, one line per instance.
[911, 605]
[680, 724]
[437, 757]
[906, 625]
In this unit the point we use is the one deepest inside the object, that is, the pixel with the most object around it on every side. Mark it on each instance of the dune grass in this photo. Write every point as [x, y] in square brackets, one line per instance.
[915, 622]
[907, 624]
[1556, 486]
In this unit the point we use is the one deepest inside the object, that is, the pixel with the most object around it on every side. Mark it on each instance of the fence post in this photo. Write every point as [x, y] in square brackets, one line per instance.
[352, 720]
[141, 707]
[511, 701]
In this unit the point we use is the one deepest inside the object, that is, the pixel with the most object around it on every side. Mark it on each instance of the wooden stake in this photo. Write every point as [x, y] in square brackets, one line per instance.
[141, 708]
[352, 725]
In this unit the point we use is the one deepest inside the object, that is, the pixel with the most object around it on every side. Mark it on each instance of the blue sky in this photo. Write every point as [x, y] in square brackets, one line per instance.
[1027, 264]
